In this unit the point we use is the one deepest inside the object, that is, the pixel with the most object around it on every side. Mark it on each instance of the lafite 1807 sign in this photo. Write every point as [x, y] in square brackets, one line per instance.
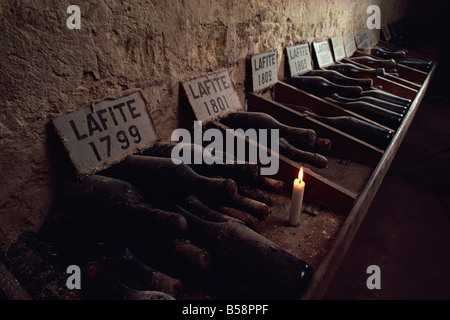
[103, 134]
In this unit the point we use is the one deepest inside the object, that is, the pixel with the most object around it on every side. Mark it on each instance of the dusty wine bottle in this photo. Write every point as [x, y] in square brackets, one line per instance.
[322, 87]
[374, 63]
[101, 283]
[351, 70]
[195, 206]
[189, 253]
[239, 172]
[168, 254]
[421, 65]
[254, 207]
[377, 136]
[387, 97]
[39, 266]
[107, 199]
[127, 293]
[161, 181]
[378, 102]
[271, 185]
[260, 120]
[255, 192]
[245, 217]
[387, 54]
[298, 155]
[341, 79]
[136, 271]
[392, 72]
[373, 112]
[241, 254]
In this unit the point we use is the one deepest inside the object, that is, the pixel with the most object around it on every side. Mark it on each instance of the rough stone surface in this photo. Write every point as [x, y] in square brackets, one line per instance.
[125, 46]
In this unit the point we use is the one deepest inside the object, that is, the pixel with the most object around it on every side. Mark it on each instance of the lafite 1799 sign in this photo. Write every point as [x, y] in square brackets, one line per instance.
[103, 134]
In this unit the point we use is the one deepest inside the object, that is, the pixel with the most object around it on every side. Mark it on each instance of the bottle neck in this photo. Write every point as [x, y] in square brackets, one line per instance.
[353, 69]
[196, 225]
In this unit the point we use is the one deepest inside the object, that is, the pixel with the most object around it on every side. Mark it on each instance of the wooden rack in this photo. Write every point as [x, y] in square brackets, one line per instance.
[345, 189]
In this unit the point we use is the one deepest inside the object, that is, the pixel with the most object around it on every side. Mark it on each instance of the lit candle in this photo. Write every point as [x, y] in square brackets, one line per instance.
[297, 199]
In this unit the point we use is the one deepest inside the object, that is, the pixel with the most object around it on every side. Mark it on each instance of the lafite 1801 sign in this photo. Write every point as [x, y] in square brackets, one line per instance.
[103, 134]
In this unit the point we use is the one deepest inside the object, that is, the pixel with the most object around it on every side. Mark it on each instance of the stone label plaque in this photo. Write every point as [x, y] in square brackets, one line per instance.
[363, 40]
[349, 44]
[212, 96]
[103, 134]
[264, 70]
[299, 59]
[338, 48]
[323, 54]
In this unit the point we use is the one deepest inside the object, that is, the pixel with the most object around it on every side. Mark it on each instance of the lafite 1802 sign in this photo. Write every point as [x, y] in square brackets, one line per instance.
[264, 70]
[103, 134]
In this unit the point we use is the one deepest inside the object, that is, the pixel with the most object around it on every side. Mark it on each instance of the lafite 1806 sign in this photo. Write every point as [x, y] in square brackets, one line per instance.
[103, 134]
[338, 48]
[323, 54]
[349, 44]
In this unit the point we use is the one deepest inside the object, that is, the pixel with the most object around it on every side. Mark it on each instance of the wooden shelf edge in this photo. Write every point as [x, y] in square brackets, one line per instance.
[403, 82]
[392, 86]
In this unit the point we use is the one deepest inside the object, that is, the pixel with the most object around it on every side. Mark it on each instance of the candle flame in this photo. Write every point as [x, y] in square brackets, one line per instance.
[300, 174]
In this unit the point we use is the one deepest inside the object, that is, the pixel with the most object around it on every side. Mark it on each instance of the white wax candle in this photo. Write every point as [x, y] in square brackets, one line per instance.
[297, 199]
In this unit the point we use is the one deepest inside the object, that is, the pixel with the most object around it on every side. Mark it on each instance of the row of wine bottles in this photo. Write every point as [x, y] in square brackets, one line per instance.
[376, 135]
[298, 144]
[349, 84]
[175, 201]
[340, 86]
[396, 57]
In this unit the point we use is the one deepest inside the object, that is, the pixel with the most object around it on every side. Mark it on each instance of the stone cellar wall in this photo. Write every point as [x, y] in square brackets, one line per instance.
[124, 46]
